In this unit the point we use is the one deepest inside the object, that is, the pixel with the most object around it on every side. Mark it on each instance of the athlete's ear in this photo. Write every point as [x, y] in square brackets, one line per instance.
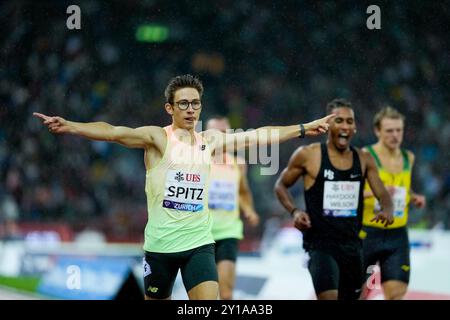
[169, 108]
[354, 130]
[377, 132]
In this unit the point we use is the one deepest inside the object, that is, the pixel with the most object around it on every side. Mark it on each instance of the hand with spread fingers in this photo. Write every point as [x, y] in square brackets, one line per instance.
[383, 217]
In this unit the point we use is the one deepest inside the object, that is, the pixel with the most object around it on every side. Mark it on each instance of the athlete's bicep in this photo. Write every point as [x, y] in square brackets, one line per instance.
[141, 137]
[295, 168]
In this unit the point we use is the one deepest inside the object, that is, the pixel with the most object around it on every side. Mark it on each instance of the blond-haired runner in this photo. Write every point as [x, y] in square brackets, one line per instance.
[228, 193]
[177, 161]
[390, 247]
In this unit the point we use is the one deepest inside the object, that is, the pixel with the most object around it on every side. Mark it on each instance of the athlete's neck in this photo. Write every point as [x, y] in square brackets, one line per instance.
[382, 149]
[185, 135]
[332, 147]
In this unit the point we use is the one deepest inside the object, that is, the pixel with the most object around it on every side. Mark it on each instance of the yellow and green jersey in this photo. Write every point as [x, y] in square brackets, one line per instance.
[401, 182]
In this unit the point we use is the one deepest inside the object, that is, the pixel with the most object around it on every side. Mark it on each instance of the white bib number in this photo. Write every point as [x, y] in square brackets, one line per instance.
[399, 200]
[341, 198]
[222, 195]
[184, 191]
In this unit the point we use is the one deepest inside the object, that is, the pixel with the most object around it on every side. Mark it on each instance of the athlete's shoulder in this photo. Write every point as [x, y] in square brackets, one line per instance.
[153, 134]
[411, 156]
[313, 147]
[364, 154]
[154, 131]
[211, 135]
[303, 153]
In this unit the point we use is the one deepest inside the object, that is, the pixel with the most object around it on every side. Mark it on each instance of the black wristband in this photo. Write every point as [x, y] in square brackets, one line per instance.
[293, 210]
[302, 130]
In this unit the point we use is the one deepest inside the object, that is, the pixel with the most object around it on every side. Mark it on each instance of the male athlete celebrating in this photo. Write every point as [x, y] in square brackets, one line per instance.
[177, 161]
[334, 173]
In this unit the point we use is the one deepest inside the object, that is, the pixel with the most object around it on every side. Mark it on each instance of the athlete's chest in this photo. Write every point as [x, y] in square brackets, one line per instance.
[340, 162]
[392, 165]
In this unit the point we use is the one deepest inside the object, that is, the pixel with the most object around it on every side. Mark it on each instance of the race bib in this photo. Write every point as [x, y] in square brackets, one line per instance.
[340, 198]
[222, 195]
[399, 200]
[184, 191]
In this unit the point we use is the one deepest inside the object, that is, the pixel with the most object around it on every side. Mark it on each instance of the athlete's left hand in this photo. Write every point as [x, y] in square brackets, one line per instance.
[383, 217]
[418, 200]
[317, 127]
[252, 218]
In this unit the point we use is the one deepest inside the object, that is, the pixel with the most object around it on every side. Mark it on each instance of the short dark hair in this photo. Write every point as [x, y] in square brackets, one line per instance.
[387, 112]
[338, 103]
[180, 82]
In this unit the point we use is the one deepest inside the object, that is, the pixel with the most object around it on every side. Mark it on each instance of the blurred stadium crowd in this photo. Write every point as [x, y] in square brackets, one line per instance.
[261, 63]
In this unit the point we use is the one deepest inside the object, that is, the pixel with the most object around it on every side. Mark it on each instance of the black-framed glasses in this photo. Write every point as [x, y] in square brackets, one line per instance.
[184, 104]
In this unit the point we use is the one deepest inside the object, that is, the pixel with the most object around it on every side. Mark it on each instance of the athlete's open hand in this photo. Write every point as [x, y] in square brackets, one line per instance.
[383, 217]
[301, 220]
[317, 127]
[54, 124]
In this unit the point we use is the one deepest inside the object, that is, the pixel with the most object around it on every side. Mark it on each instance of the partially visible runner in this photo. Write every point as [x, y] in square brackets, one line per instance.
[177, 161]
[333, 175]
[228, 192]
[390, 247]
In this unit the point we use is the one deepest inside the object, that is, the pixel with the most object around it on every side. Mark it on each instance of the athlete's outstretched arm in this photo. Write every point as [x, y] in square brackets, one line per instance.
[265, 135]
[380, 192]
[132, 138]
[246, 198]
[288, 177]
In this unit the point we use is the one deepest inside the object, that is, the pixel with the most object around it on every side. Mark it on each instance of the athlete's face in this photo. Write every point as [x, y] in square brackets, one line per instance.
[390, 133]
[342, 128]
[185, 119]
[218, 124]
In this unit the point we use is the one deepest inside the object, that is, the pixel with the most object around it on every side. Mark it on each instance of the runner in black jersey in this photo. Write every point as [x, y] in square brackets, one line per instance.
[334, 173]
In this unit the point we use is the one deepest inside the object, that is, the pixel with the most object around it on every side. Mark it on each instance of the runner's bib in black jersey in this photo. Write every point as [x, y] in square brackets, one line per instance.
[335, 203]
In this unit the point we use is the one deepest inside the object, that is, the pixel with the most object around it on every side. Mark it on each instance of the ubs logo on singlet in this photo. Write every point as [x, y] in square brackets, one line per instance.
[329, 174]
[179, 176]
[190, 177]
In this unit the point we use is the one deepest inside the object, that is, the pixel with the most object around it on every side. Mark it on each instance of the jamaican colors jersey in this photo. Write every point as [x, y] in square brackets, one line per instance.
[401, 182]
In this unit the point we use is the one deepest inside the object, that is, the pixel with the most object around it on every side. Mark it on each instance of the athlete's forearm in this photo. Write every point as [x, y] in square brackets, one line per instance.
[262, 136]
[92, 130]
[246, 201]
[284, 196]
[386, 202]
[277, 134]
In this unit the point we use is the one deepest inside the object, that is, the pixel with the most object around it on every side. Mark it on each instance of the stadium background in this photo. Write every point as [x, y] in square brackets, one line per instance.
[261, 63]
